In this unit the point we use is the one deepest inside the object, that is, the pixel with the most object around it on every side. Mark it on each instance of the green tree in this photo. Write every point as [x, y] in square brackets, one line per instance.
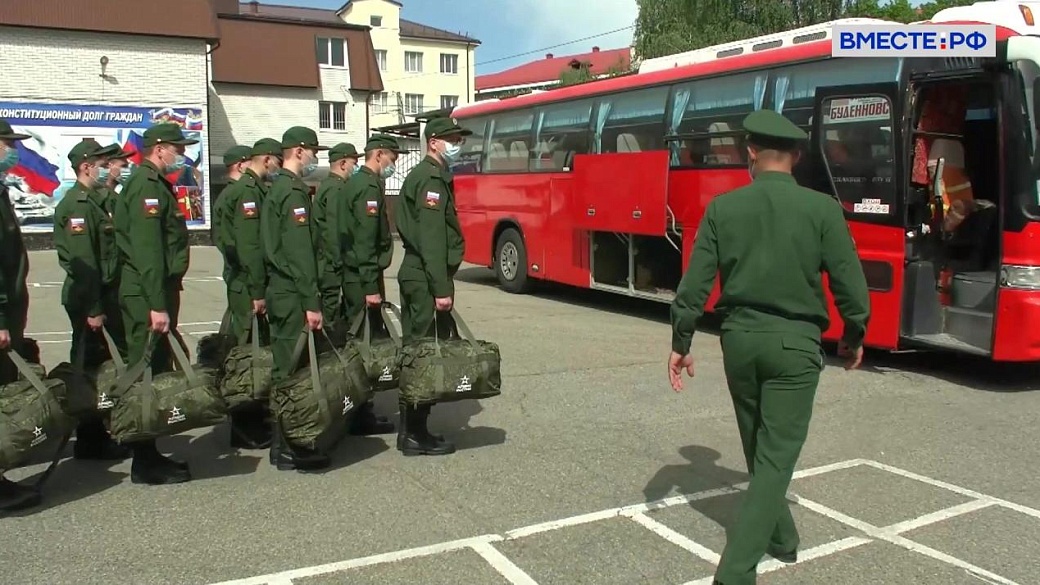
[577, 73]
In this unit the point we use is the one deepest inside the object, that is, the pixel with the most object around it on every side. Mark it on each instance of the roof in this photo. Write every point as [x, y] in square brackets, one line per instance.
[266, 50]
[195, 19]
[409, 29]
[549, 69]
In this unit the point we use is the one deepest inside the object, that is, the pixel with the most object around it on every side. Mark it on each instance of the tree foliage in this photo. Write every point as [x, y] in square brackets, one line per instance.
[582, 73]
[666, 27]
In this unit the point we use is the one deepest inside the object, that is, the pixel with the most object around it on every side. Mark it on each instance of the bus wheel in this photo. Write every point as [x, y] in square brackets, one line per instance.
[511, 262]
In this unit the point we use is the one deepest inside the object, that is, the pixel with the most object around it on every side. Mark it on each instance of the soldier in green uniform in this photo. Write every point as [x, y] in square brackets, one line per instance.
[238, 237]
[770, 241]
[239, 302]
[14, 300]
[343, 159]
[367, 249]
[152, 237]
[433, 246]
[290, 252]
[113, 175]
[84, 238]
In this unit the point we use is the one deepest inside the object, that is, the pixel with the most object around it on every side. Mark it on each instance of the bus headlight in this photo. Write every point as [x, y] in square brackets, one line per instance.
[1024, 277]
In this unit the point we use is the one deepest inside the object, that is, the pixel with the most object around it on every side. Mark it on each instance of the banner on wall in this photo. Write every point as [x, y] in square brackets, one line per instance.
[44, 174]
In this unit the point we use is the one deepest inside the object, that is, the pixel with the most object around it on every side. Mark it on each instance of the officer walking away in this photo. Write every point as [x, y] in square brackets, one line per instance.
[84, 238]
[770, 241]
[14, 300]
[290, 251]
[152, 237]
[115, 174]
[433, 246]
[239, 302]
[367, 248]
[343, 159]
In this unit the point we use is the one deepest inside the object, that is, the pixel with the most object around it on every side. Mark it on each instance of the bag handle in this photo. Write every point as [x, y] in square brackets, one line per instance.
[175, 340]
[255, 357]
[113, 351]
[135, 373]
[460, 326]
[386, 311]
[26, 371]
[307, 339]
[225, 322]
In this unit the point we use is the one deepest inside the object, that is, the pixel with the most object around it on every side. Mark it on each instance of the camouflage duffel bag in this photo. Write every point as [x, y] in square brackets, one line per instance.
[247, 372]
[88, 391]
[437, 370]
[170, 403]
[314, 405]
[382, 355]
[212, 350]
[32, 421]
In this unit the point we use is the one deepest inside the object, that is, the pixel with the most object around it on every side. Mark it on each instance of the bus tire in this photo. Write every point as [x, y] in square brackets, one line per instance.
[511, 262]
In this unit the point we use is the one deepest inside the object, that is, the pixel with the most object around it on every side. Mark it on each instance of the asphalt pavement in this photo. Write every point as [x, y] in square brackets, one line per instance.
[587, 469]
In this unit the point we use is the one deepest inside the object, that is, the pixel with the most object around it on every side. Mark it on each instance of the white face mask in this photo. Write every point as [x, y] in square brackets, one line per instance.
[451, 152]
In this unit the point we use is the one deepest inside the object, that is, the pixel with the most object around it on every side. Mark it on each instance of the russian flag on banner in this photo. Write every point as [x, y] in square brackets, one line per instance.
[135, 142]
[38, 173]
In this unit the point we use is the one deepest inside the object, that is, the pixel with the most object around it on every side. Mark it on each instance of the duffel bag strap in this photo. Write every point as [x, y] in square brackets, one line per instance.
[385, 311]
[38, 484]
[225, 322]
[312, 351]
[26, 371]
[113, 350]
[462, 328]
[135, 373]
[175, 341]
[254, 358]
[361, 321]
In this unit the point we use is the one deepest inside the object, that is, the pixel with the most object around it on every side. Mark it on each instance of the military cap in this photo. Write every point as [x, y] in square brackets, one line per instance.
[441, 127]
[88, 149]
[166, 133]
[385, 142]
[119, 152]
[301, 136]
[267, 147]
[341, 151]
[770, 129]
[8, 133]
[237, 154]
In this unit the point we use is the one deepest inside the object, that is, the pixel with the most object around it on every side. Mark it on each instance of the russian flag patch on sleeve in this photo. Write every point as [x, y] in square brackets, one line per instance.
[249, 208]
[151, 206]
[432, 198]
[77, 225]
[300, 214]
[372, 207]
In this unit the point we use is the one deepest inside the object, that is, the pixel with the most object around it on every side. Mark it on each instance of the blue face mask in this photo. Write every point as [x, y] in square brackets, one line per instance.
[309, 168]
[124, 174]
[357, 169]
[177, 164]
[103, 174]
[9, 160]
[388, 171]
[451, 152]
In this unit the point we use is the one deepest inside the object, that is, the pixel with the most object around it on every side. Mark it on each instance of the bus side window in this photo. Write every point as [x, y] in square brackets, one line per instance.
[471, 157]
[713, 109]
[562, 131]
[856, 147]
[632, 121]
[508, 147]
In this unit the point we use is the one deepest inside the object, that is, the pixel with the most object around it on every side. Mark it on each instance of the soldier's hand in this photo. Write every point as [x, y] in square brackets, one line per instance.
[443, 303]
[5, 339]
[259, 306]
[96, 323]
[374, 300]
[676, 364]
[855, 356]
[314, 320]
[160, 321]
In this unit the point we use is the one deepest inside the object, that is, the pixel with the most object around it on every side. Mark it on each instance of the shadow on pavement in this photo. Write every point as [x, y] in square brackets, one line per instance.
[701, 473]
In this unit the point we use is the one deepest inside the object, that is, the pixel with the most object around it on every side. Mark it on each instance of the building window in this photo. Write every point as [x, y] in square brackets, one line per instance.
[449, 63]
[376, 21]
[449, 101]
[412, 62]
[332, 52]
[413, 103]
[380, 102]
[381, 59]
[332, 115]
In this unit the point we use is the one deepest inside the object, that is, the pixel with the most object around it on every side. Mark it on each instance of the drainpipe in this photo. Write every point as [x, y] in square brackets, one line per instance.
[468, 89]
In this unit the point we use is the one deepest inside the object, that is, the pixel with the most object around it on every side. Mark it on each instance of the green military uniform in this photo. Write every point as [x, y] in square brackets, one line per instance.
[225, 212]
[109, 194]
[14, 299]
[330, 260]
[152, 237]
[769, 241]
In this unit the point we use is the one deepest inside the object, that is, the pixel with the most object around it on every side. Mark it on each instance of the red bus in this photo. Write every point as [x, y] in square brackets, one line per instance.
[602, 185]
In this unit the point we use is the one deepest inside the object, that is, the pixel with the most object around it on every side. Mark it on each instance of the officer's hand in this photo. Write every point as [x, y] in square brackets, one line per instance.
[676, 364]
[160, 321]
[96, 323]
[259, 306]
[5, 339]
[314, 320]
[443, 303]
[374, 300]
[855, 357]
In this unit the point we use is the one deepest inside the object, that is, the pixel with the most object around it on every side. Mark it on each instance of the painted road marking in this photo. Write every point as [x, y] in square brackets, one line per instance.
[483, 545]
[59, 284]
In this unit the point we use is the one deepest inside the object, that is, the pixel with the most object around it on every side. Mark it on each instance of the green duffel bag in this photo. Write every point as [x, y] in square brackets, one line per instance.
[314, 405]
[32, 421]
[437, 370]
[213, 349]
[170, 403]
[382, 355]
[88, 391]
[247, 372]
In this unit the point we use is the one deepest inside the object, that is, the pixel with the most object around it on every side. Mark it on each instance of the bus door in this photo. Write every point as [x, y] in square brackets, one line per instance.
[856, 135]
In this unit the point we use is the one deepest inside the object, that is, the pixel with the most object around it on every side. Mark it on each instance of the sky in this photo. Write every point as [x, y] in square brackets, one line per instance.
[513, 32]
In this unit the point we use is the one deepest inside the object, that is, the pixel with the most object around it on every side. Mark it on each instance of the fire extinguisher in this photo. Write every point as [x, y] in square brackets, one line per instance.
[945, 286]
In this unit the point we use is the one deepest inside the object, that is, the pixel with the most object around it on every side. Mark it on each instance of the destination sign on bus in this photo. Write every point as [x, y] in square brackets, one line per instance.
[865, 109]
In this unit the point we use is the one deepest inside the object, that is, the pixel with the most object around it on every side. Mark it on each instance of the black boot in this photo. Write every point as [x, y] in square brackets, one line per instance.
[94, 443]
[365, 423]
[152, 468]
[286, 457]
[401, 431]
[15, 496]
[416, 439]
[249, 430]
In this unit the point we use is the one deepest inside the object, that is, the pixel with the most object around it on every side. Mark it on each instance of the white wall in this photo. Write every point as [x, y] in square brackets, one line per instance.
[243, 114]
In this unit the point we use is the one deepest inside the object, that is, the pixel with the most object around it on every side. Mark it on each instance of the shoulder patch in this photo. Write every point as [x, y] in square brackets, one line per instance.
[151, 207]
[300, 215]
[249, 209]
[371, 207]
[432, 198]
[77, 225]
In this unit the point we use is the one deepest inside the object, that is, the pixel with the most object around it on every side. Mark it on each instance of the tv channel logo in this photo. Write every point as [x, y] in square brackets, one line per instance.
[922, 40]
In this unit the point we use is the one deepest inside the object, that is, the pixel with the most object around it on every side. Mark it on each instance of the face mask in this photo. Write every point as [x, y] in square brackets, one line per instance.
[124, 174]
[388, 172]
[451, 152]
[103, 174]
[9, 160]
[177, 164]
[751, 169]
[357, 169]
[310, 167]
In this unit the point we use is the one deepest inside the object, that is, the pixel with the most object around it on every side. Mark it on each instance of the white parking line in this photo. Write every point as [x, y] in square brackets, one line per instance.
[47, 333]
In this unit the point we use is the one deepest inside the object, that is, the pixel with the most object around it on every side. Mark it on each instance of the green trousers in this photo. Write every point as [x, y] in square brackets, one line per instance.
[137, 322]
[772, 380]
[418, 312]
[354, 301]
[331, 297]
[241, 307]
[96, 350]
[285, 317]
